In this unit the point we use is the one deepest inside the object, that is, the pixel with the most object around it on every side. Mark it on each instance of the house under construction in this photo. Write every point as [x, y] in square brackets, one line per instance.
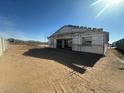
[79, 38]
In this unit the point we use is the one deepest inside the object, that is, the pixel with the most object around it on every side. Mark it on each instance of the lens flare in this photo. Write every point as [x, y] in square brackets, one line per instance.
[107, 4]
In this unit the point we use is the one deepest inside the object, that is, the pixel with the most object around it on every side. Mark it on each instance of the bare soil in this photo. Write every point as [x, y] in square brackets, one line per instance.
[34, 69]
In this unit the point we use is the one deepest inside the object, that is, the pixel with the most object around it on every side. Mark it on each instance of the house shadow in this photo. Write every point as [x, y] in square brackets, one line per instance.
[77, 61]
[120, 51]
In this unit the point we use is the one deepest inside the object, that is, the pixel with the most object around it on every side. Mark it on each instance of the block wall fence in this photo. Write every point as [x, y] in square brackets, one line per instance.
[3, 45]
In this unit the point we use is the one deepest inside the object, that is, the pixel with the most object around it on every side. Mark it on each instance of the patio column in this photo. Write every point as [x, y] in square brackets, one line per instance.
[63, 45]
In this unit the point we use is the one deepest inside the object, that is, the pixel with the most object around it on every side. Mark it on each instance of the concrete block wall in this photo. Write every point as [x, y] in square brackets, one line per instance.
[99, 38]
[3, 45]
[97, 43]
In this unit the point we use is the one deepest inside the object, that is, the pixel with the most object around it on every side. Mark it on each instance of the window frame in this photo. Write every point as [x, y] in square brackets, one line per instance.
[87, 41]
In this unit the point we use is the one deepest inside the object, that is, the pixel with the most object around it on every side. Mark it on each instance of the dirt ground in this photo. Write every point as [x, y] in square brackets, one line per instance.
[32, 69]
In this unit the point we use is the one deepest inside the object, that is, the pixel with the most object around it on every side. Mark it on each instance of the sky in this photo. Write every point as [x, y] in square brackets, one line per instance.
[37, 19]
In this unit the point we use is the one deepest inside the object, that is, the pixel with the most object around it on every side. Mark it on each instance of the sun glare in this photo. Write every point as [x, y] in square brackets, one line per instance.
[115, 1]
[107, 4]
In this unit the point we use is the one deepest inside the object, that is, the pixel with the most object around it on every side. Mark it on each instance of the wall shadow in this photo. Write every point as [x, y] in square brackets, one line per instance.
[120, 51]
[66, 57]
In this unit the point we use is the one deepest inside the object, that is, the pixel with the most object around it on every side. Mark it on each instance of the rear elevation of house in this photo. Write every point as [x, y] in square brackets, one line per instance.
[79, 38]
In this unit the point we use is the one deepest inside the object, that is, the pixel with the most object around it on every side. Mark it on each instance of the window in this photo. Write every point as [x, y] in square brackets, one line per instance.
[87, 41]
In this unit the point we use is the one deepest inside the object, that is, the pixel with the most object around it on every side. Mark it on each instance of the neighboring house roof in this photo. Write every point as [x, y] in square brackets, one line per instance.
[73, 29]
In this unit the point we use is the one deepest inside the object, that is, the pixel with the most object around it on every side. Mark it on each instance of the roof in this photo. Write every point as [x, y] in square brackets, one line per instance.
[74, 28]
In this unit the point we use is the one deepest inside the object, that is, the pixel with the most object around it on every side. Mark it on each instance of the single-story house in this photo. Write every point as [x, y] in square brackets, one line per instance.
[79, 38]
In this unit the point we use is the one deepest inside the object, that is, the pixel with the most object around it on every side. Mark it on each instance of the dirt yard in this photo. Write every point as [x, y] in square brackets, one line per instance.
[32, 69]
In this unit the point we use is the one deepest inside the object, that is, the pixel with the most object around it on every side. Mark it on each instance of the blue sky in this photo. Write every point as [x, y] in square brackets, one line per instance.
[37, 19]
